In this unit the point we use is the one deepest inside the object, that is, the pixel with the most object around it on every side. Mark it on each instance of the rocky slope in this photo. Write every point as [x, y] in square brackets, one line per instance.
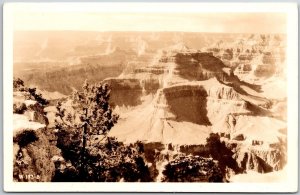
[185, 95]
[33, 144]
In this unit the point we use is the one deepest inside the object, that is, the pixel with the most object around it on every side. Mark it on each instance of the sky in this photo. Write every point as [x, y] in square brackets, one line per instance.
[190, 22]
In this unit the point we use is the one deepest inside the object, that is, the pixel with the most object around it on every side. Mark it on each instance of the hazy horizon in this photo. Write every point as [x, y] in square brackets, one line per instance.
[257, 23]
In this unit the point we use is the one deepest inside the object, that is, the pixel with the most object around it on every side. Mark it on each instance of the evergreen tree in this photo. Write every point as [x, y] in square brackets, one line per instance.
[83, 123]
[90, 116]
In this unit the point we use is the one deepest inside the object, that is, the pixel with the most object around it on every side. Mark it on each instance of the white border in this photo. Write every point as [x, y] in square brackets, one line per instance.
[290, 185]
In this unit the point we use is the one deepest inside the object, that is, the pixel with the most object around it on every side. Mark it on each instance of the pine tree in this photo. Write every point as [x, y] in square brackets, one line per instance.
[89, 115]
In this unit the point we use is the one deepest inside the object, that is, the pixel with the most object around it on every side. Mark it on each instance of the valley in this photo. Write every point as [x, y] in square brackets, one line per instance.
[187, 97]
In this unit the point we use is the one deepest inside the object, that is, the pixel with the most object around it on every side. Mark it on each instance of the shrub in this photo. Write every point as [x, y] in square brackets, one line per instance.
[108, 161]
[192, 169]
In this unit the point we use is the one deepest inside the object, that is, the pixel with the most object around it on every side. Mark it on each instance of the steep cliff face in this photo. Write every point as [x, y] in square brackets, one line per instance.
[223, 92]
[259, 142]
[260, 160]
[188, 103]
[180, 110]
[160, 120]
[199, 66]
[126, 92]
[166, 70]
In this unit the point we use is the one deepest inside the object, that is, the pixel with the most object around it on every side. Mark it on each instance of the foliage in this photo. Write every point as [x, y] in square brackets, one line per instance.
[115, 161]
[192, 169]
[90, 110]
[36, 96]
[83, 123]
[33, 149]
[211, 166]
[106, 160]
[90, 114]
[30, 93]
[110, 161]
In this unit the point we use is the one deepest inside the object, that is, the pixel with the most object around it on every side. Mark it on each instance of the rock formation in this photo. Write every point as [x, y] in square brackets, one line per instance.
[33, 144]
[185, 95]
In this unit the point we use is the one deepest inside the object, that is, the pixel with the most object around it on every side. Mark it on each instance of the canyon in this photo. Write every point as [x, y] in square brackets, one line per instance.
[172, 90]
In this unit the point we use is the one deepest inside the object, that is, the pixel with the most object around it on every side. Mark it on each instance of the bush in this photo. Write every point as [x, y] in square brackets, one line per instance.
[192, 169]
[108, 161]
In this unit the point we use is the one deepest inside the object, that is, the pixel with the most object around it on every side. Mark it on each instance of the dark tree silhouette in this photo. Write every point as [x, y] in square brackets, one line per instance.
[83, 123]
[90, 115]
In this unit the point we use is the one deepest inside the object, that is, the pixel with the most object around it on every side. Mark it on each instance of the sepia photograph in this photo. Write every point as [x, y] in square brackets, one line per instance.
[150, 97]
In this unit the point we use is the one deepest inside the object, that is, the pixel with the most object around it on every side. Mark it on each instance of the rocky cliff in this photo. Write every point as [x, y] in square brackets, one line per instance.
[185, 95]
[33, 144]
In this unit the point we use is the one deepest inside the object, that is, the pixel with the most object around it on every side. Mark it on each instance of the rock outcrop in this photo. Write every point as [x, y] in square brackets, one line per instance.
[33, 144]
[260, 160]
